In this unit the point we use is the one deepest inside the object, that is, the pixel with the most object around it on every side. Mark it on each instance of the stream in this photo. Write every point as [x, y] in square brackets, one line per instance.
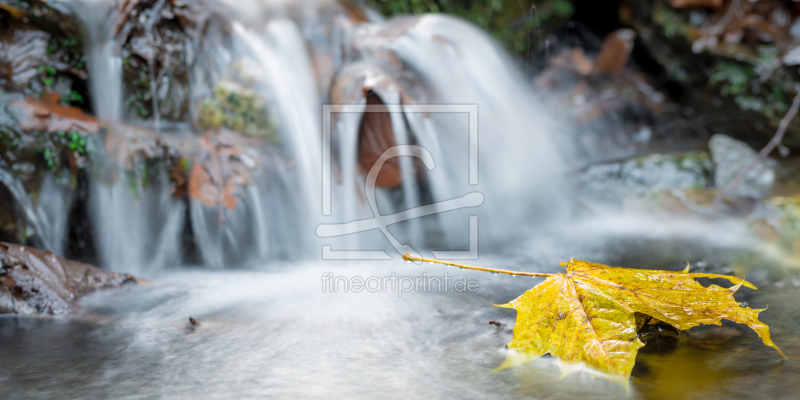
[276, 331]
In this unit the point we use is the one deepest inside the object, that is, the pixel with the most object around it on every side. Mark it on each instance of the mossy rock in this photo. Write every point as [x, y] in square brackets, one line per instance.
[616, 181]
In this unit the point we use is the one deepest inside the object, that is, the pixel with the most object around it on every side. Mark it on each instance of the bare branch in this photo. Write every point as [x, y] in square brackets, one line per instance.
[776, 140]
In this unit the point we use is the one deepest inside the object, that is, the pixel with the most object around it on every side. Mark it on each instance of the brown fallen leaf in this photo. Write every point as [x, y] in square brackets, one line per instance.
[615, 52]
[587, 315]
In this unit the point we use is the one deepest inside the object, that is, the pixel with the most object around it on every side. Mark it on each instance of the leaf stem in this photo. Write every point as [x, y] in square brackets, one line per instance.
[409, 257]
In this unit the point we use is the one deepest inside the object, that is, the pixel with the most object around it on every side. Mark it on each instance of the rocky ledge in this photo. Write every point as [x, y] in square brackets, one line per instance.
[39, 282]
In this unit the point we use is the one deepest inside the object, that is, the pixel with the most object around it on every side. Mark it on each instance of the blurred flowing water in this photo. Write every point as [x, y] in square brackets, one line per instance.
[275, 333]
[427, 60]
[270, 329]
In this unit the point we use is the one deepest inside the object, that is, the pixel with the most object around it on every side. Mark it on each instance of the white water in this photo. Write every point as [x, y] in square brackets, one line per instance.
[430, 60]
[136, 228]
[105, 67]
[47, 214]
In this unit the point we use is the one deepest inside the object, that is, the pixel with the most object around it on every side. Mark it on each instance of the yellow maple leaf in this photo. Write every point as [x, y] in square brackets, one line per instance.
[588, 314]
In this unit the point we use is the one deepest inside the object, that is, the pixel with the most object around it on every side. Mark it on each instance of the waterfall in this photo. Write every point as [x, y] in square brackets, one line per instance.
[47, 214]
[138, 227]
[104, 65]
[307, 56]
[444, 61]
[520, 166]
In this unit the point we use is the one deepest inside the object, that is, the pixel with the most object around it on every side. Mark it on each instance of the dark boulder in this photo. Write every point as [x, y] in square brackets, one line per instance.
[39, 282]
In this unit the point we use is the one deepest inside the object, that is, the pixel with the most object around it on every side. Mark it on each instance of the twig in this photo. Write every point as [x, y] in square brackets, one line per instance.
[409, 257]
[776, 140]
[719, 26]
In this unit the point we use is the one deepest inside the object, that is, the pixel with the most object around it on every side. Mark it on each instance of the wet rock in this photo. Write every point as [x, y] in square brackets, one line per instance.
[39, 282]
[375, 137]
[658, 338]
[23, 52]
[613, 182]
[156, 39]
[41, 52]
[43, 128]
[49, 116]
[731, 157]
[222, 167]
[129, 147]
[321, 24]
[376, 87]
[40, 136]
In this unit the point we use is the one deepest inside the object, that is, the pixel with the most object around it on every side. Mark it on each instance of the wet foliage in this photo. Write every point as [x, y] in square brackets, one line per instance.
[741, 51]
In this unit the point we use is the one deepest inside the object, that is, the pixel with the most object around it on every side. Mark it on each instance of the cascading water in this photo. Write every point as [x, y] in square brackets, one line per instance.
[140, 224]
[104, 65]
[518, 158]
[47, 214]
[441, 60]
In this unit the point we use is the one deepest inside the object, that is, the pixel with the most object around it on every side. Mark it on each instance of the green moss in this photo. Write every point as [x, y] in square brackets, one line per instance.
[733, 78]
[674, 25]
[238, 108]
[510, 22]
